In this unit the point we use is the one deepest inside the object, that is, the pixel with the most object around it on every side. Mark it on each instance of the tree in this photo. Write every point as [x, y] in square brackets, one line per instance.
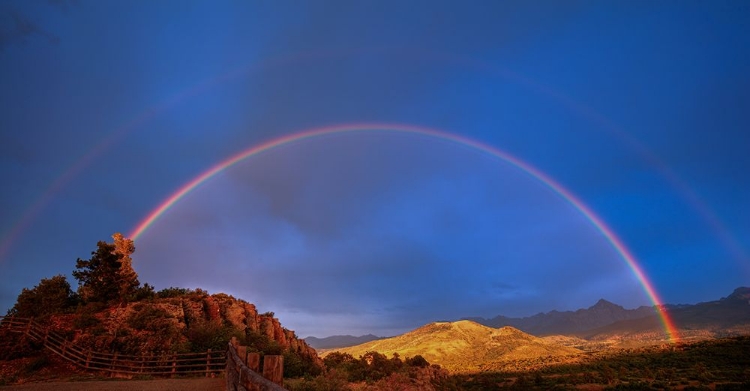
[128, 279]
[52, 295]
[108, 276]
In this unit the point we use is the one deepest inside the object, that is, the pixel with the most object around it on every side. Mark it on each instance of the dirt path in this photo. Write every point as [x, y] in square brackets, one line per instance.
[201, 384]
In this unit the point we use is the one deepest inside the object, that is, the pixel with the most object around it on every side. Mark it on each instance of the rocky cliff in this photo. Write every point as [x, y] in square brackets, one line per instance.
[195, 321]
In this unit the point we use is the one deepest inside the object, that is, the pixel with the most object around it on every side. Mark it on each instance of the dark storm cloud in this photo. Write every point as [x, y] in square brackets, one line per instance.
[334, 65]
[16, 27]
[354, 170]
[382, 225]
[13, 148]
[64, 5]
[380, 232]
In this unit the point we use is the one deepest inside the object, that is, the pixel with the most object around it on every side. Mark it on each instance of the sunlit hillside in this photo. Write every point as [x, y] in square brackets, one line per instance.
[464, 346]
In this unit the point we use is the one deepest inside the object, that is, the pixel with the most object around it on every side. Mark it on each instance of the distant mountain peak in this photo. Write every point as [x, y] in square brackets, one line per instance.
[741, 293]
[604, 304]
[729, 313]
[339, 341]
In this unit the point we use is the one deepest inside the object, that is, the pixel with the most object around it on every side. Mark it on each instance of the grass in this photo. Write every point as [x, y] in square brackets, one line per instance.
[722, 364]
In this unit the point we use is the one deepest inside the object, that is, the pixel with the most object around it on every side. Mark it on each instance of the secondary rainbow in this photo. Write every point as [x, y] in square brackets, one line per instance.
[568, 196]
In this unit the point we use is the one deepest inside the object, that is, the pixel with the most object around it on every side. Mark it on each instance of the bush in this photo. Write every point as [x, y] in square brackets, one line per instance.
[145, 292]
[417, 361]
[17, 346]
[733, 387]
[172, 292]
[297, 366]
[261, 343]
[85, 321]
[210, 335]
[148, 317]
[36, 364]
[331, 381]
[51, 296]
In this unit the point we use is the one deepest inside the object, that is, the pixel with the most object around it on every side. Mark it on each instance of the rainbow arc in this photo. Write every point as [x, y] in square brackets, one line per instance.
[617, 244]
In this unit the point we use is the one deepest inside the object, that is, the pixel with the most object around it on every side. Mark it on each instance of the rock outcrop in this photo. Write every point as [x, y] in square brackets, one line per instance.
[190, 321]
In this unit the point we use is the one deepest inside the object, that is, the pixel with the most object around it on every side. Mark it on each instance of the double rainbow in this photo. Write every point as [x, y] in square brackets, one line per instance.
[595, 220]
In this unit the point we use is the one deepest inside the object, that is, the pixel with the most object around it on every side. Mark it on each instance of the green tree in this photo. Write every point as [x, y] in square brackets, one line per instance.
[127, 277]
[102, 278]
[52, 295]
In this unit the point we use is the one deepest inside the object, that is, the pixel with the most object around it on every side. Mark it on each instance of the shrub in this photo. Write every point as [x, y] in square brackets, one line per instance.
[36, 364]
[172, 292]
[51, 296]
[145, 292]
[148, 317]
[86, 321]
[210, 335]
[417, 361]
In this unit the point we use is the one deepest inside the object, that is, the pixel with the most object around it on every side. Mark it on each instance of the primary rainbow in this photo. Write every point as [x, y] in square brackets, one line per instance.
[600, 225]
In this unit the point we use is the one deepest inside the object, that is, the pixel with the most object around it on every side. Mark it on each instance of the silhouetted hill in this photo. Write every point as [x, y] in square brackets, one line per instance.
[339, 341]
[464, 346]
[728, 316]
[569, 322]
[604, 320]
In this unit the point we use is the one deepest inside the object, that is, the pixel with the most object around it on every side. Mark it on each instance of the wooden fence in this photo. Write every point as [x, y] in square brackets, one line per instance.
[243, 367]
[166, 364]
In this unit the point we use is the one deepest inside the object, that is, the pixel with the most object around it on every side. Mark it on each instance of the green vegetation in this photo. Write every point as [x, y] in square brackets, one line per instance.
[371, 371]
[722, 364]
[708, 365]
[51, 296]
[203, 336]
[112, 312]
[107, 277]
[172, 292]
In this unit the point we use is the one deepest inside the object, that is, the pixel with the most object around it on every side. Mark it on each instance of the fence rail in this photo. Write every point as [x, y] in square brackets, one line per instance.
[168, 364]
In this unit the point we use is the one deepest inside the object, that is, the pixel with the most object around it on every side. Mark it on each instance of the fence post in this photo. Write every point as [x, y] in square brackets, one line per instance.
[273, 369]
[228, 376]
[112, 365]
[88, 358]
[174, 364]
[241, 353]
[208, 362]
[243, 381]
[28, 326]
[253, 362]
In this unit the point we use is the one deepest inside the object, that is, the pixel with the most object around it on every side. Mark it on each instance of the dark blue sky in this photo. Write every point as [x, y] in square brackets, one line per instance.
[640, 109]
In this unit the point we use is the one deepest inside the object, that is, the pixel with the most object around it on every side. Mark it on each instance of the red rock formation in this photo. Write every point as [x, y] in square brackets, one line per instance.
[213, 311]
[176, 316]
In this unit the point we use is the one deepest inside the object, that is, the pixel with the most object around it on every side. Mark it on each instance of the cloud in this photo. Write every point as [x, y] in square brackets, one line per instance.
[18, 28]
[387, 230]
[64, 5]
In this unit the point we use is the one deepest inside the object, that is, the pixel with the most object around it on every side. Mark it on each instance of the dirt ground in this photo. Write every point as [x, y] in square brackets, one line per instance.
[199, 384]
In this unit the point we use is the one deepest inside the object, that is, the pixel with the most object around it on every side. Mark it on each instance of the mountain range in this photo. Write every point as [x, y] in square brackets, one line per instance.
[606, 321]
[338, 341]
